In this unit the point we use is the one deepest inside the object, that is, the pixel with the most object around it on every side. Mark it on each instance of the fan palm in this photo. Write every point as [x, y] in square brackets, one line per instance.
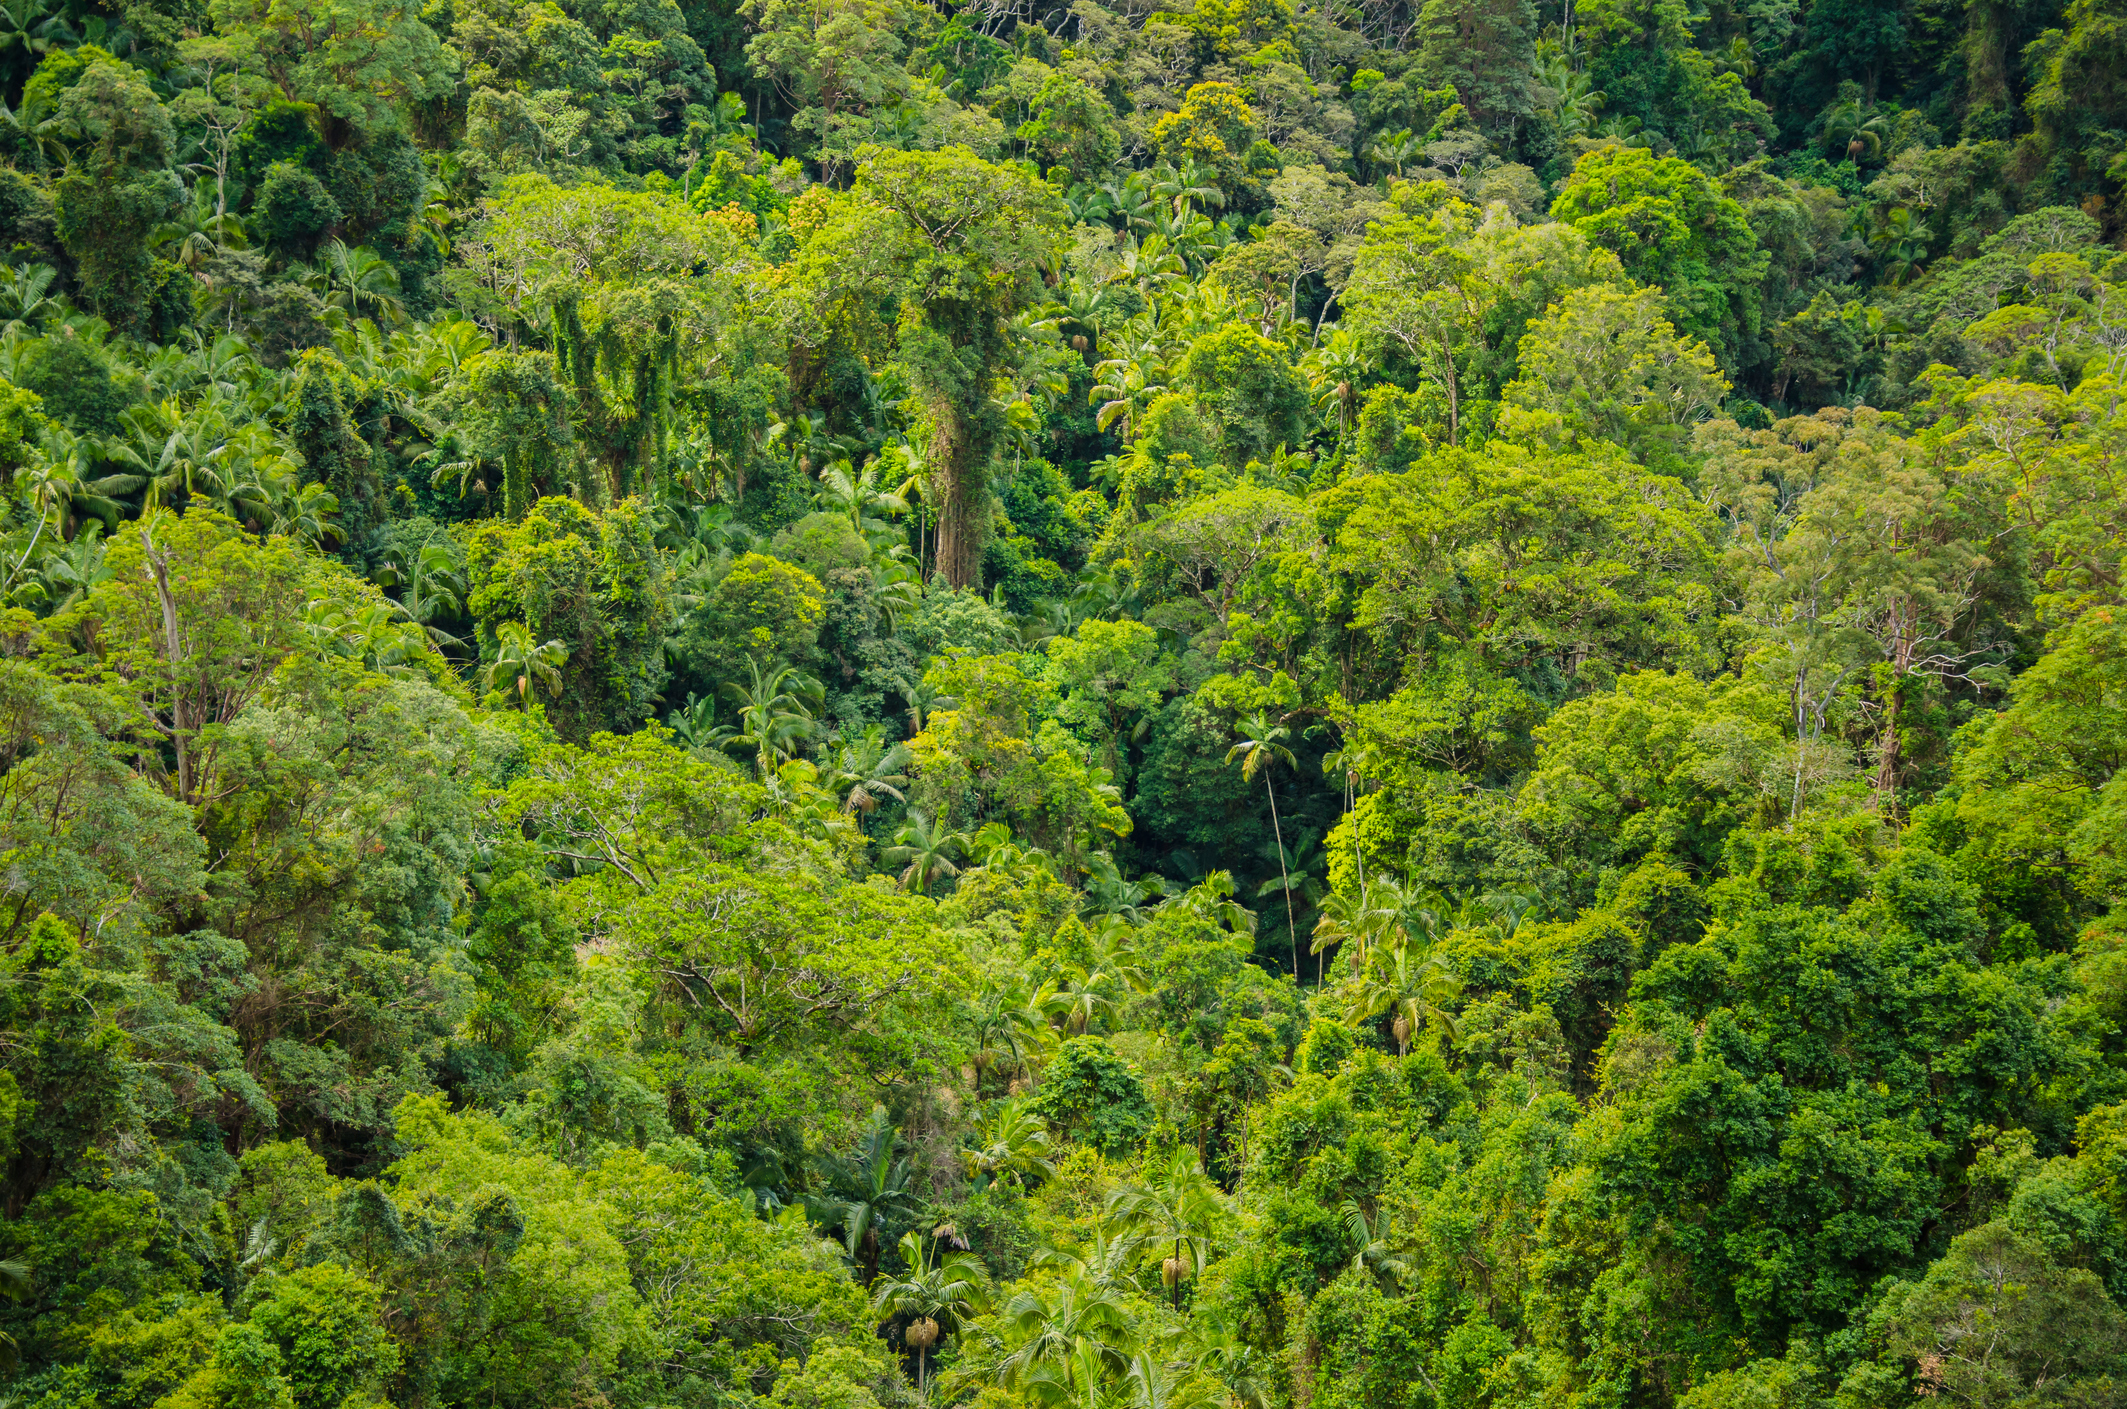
[520, 663]
[924, 851]
[865, 1191]
[865, 773]
[773, 715]
[1175, 1213]
[26, 298]
[937, 1300]
[1407, 982]
[1013, 1143]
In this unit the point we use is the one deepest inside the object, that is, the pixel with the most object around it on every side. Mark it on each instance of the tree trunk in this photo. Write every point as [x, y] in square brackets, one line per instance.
[181, 715]
[1887, 755]
[1291, 925]
[1454, 388]
[1794, 811]
[958, 537]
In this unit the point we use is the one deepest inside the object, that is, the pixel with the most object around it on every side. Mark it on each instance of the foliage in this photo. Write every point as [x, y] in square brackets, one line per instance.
[683, 687]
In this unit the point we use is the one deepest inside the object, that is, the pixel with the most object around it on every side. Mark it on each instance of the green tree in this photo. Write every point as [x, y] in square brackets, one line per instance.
[1257, 400]
[837, 65]
[1671, 225]
[596, 584]
[761, 611]
[355, 59]
[959, 244]
[324, 1320]
[518, 414]
[1109, 673]
[118, 189]
[1604, 364]
[1997, 1321]
[1093, 1095]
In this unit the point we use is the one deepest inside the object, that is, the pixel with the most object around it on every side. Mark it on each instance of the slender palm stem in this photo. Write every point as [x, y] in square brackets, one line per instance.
[1292, 926]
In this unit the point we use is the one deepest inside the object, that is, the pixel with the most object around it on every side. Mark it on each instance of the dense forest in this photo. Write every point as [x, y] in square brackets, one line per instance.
[1279, 704]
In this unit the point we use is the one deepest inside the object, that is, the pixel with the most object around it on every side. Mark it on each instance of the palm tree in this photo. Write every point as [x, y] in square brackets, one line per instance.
[430, 580]
[997, 851]
[864, 773]
[1108, 893]
[26, 298]
[15, 1285]
[772, 714]
[1335, 371]
[1069, 1337]
[1130, 198]
[856, 493]
[1086, 991]
[1123, 387]
[1006, 1021]
[1212, 898]
[1853, 124]
[60, 480]
[937, 1300]
[1013, 1143]
[1306, 856]
[306, 513]
[1358, 923]
[865, 1191]
[922, 699]
[1193, 184]
[1217, 1350]
[1578, 99]
[362, 282]
[522, 663]
[1902, 243]
[694, 723]
[1153, 1381]
[1371, 1249]
[923, 846]
[31, 26]
[1397, 150]
[1176, 1212]
[1262, 746]
[1409, 982]
[70, 573]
